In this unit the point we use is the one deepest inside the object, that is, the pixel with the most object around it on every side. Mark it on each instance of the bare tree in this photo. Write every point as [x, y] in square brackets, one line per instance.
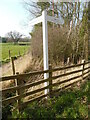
[89, 30]
[75, 19]
[14, 36]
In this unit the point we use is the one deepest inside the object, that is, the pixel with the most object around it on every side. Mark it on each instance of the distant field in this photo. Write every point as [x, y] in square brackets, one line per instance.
[15, 50]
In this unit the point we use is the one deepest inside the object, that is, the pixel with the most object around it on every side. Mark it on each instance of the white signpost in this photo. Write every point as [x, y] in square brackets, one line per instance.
[44, 18]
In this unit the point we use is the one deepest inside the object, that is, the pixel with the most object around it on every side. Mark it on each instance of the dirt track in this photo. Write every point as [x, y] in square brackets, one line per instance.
[21, 64]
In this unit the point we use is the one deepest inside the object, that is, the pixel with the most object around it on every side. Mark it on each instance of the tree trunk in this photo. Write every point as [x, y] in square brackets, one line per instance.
[89, 30]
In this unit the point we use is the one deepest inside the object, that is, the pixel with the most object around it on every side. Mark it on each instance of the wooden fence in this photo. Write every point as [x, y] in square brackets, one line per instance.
[59, 79]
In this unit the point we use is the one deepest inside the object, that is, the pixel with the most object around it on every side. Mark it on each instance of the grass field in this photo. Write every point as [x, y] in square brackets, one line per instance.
[15, 50]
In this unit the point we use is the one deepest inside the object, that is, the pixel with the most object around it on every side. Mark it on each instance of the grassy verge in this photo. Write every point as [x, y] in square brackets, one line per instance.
[70, 105]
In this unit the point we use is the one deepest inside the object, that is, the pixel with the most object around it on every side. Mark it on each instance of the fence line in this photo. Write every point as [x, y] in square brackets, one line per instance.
[65, 80]
[39, 72]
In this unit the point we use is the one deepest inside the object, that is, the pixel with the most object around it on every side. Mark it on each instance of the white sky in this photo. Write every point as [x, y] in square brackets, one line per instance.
[13, 16]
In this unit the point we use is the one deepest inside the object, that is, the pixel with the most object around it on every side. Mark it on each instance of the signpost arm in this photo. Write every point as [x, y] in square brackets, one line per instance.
[45, 46]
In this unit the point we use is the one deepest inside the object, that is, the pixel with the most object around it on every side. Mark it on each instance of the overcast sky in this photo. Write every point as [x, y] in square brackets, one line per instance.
[13, 16]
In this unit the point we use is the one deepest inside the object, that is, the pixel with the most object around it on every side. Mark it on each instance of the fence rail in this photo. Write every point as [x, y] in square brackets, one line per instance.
[68, 76]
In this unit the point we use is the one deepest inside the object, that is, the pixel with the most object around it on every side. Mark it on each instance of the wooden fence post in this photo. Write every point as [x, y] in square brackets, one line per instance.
[50, 81]
[17, 82]
[9, 54]
[83, 70]
[13, 66]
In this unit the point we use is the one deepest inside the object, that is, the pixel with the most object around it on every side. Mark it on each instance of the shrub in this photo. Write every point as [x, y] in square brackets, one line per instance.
[58, 46]
[6, 112]
[67, 105]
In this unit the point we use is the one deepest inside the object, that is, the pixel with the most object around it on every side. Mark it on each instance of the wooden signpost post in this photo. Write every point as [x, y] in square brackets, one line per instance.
[44, 18]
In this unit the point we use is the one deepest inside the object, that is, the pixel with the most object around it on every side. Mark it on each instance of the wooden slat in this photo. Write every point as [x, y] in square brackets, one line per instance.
[86, 68]
[38, 72]
[13, 99]
[87, 72]
[29, 85]
[23, 105]
[85, 77]
[24, 86]
[87, 62]
[55, 77]
[66, 67]
[38, 90]
[61, 88]
[71, 66]
[22, 75]
[34, 99]
[67, 80]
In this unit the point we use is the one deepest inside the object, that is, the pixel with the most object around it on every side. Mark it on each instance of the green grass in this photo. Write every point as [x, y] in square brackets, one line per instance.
[14, 50]
[70, 105]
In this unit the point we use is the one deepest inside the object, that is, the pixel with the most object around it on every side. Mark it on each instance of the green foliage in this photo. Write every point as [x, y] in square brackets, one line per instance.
[4, 40]
[6, 112]
[68, 105]
[35, 111]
